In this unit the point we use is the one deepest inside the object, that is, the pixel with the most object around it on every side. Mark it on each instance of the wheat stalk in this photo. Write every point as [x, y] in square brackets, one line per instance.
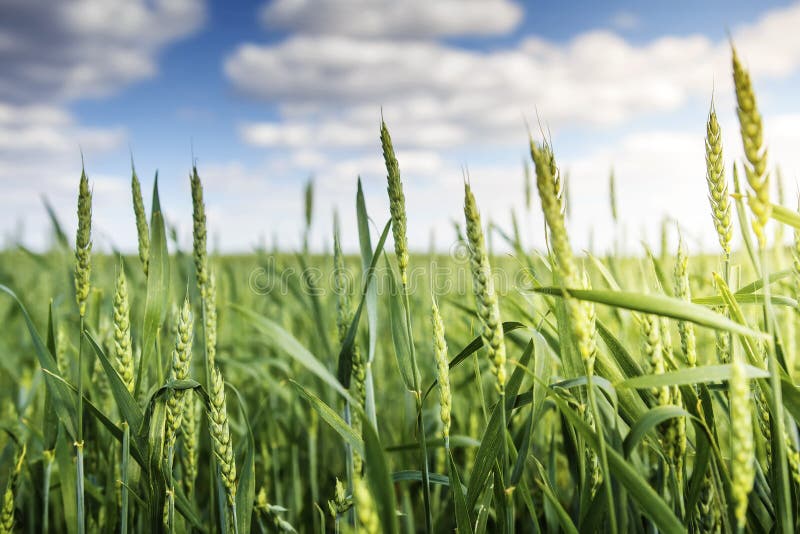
[83, 245]
[683, 291]
[122, 332]
[181, 360]
[717, 185]
[220, 432]
[189, 437]
[142, 230]
[443, 371]
[199, 231]
[483, 287]
[397, 203]
[210, 313]
[755, 167]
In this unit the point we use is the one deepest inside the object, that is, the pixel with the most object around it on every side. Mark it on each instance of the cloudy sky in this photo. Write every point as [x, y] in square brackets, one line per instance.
[266, 94]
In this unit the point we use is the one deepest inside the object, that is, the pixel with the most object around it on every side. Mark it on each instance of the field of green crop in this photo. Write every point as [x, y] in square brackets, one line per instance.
[541, 391]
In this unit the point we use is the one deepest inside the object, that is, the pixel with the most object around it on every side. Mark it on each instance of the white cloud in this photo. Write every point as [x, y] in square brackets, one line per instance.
[85, 48]
[389, 18]
[56, 52]
[328, 88]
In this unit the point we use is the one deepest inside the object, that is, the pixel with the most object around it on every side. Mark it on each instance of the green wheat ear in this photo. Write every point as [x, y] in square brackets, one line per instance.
[717, 185]
[83, 244]
[179, 370]
[443, 370]
[483, 287]
[123, 349]
[199, 231]
[219, 429]
[755, 152]
[142, 230]
[397, 203]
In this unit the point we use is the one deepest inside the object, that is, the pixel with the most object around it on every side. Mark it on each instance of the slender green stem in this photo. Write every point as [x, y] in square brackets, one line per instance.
[505, 466]
[48, 469]
[79, 442]
[314, 468]
[79, 486]
[779, 469]
[170, 490]
[612, 516]
[126, 436]
[349, 465]
[234, 518]
[426, 485]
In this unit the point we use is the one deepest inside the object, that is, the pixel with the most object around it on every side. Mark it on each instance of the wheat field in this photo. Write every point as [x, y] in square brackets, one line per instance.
[389, 391]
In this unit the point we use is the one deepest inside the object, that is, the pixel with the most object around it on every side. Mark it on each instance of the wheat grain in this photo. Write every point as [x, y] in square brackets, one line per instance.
[483, 287]
[210, 309]
[122, 332]
[181, 360]
[199, 231]
[397, 203]
[717, 185]
[83, 244]
[7, 512]
[443, 371]
[142, 230]
[189, 440]
[219, 430]
[683, 291]
[755, 167]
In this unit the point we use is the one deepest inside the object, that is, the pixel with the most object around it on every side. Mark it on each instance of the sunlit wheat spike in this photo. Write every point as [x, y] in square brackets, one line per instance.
[179, 370]
[717, 184]
[123, 350]
[565, 266]
[549, 188]
[199, 231]
[683, 291]
[210, 307]
[7, 512]
[397, 203]
[483, 287]
[755, 152]
[189, 438]
[652, 349]
[83, 244]
[443, 370]
[142, 230]
[220, 432]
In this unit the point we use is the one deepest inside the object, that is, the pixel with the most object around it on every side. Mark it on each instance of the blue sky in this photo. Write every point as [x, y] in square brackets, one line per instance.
[268, 93]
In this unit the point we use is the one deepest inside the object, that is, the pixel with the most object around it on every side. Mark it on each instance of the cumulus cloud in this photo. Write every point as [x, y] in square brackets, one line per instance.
[53, 53]
[328, 87]
[388, 18]
[84, 48]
